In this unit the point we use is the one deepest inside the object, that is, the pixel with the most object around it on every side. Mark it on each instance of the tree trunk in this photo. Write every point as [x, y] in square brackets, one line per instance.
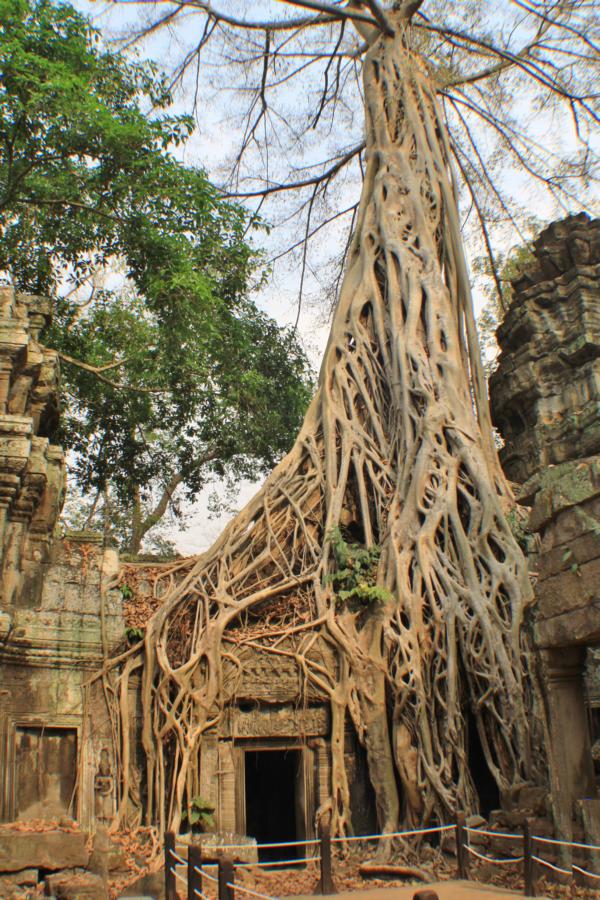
[397, 447]
[137, 533]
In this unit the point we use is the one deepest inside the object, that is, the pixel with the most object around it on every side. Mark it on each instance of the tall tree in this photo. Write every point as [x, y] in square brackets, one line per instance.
[174, 376]
[385, 531]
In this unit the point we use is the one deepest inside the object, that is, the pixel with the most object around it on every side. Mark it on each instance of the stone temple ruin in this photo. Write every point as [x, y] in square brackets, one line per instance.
[546, 403]
[62, 613]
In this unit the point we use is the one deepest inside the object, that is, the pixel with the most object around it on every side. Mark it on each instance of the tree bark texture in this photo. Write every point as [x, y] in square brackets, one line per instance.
[397, 448]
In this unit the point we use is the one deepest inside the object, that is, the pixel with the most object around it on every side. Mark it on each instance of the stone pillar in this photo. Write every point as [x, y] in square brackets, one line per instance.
[571, 767]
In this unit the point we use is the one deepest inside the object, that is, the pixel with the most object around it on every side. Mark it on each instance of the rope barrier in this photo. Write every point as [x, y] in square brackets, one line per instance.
[585, 872]
[502, 834]
[278, 862]
[549, 865]
[376, 837]
[200, 894]
[245, 890]
[205, 874]
[499, 862]
[544, 840]
[177, 875]
[178, 858]
[267, 846]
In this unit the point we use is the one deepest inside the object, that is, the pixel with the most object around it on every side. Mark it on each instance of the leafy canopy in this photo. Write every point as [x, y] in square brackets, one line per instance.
[174, 367]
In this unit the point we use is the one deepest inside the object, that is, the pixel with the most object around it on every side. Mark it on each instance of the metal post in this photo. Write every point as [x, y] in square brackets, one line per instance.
[461, 847]
[326, 885]
[194, 873]
[170, 884]
[528, 861]
[226, 878]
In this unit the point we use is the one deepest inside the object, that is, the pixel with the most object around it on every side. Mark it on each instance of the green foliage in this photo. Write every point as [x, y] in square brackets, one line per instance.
[126, 591]
[508, 266]
[201, 814]
[186, 378]
[134, 634]
[355, 580]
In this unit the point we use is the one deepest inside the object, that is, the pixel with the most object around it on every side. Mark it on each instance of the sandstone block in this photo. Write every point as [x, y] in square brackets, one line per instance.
[43, 850]
[26, 877]
[84, 886]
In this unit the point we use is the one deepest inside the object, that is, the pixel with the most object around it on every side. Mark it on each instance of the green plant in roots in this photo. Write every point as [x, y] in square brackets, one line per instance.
[355, 579]
[172, 377]
[201, 814]
[134, 635]
[396, 451]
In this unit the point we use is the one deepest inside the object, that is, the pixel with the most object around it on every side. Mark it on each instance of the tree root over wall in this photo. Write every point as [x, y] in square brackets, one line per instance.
[396, 448]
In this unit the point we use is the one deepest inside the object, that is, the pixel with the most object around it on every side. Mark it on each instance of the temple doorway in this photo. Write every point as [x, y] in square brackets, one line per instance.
[485, 783]
[273, 779]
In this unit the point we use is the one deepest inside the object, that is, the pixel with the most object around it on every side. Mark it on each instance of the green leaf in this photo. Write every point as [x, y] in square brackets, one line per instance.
[201, 385]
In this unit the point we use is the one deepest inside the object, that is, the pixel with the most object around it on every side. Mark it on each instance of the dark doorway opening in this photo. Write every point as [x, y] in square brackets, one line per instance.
[272, 778]
[485, 783]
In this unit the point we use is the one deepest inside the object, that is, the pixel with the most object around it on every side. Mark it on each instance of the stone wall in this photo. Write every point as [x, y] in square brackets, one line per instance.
[545, 393]
[59, 610]
[545, 399]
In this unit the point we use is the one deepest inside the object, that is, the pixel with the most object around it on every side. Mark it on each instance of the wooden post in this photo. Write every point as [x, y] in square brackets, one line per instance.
[194, 873]
[226, 878]
[461, 847]
[170, 883]
[528, 861]
[326, 885]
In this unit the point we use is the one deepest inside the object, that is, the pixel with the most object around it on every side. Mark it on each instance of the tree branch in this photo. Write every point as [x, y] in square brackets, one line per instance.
[335, 12]
[97, 371]
[167, 495]
[307, 182]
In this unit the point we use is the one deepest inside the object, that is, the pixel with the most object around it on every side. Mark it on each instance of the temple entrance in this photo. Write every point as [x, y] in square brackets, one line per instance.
[485, 783]
[273, 779]
[45, 772]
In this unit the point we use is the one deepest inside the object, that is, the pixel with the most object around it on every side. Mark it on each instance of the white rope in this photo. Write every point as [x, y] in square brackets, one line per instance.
[544, 862]
[585, 872]
[502, 834]
[279, 862]
[205, 874]
[200, 894]
[376, 837]
[500, 862]
[181, 878]
[178, 858]
[545, 840]
[245, 890]
[260, 846]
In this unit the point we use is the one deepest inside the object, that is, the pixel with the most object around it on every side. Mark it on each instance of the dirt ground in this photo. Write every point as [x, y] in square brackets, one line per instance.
[446, 890]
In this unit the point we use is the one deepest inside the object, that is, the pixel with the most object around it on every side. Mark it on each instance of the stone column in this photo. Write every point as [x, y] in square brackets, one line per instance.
[571, 766]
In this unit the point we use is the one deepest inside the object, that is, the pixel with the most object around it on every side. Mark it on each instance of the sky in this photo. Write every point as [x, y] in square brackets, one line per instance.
[219, 126]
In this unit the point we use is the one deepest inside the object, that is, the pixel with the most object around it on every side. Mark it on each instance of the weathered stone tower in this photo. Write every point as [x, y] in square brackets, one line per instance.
[57, 614]
[546, 403]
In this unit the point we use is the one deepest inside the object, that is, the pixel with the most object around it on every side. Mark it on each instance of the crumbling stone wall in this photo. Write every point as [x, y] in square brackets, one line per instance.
[59, 610]
[546, 403]
[545, 392]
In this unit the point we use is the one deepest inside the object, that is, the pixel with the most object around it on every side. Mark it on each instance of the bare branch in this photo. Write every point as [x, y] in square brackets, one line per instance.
[335, 12]
[307, 182]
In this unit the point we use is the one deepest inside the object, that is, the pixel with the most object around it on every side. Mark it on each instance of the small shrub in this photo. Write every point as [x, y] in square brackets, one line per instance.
[355, 581]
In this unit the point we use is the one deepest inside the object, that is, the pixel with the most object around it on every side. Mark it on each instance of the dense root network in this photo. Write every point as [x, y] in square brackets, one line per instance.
[396, 449]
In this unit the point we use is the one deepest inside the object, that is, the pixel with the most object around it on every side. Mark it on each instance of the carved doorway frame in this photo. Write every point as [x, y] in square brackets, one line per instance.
[305, 789]
[51, 723]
